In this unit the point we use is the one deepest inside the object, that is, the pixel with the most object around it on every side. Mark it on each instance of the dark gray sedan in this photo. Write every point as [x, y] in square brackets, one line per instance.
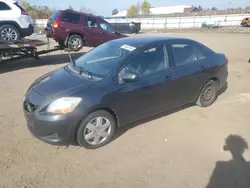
[120, 82]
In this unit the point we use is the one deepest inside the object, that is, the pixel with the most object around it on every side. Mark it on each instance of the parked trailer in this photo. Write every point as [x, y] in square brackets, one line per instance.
[21, 49]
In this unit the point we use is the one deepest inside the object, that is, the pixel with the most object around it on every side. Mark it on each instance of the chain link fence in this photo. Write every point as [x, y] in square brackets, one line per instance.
[184, 22]
[164, 23]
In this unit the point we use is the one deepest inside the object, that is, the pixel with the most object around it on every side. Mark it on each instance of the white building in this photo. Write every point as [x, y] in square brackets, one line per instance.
[160, 10]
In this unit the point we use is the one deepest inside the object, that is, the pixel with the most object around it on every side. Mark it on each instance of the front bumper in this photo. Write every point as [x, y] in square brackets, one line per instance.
[52, 129]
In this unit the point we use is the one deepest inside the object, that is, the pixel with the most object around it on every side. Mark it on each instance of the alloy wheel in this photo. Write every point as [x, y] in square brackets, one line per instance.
[9, 34]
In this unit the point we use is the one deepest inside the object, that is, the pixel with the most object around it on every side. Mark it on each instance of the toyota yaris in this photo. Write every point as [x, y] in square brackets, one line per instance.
[118, 83]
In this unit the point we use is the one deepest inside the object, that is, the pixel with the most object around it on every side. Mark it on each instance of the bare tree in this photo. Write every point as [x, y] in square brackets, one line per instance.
[200, 8]
[145, 8]
[70, 8]
[85, 9]
[214, 8]
[115, 11]
[133, 11]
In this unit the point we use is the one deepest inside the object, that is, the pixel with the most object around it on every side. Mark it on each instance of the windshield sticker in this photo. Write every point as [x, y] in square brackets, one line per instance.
[128, 47]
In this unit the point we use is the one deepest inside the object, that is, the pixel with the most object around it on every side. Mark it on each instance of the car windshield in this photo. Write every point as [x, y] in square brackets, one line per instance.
[102, 59]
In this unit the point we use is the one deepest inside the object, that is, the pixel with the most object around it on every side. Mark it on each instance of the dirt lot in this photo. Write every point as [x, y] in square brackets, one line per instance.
[176, 150]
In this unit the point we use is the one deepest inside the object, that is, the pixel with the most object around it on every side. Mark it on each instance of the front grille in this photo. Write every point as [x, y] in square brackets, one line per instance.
[29, 107]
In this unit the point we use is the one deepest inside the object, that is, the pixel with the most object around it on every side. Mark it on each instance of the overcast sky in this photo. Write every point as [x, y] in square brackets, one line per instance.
[104, 7]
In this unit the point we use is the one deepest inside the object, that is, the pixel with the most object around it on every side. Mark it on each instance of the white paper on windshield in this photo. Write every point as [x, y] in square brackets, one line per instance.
[128, 47]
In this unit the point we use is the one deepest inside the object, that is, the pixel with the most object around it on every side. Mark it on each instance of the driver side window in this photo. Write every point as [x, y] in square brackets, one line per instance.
[150, 61]
[106, 27]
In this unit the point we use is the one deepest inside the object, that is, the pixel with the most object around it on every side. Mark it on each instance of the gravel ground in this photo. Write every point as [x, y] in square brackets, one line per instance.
[182, 149]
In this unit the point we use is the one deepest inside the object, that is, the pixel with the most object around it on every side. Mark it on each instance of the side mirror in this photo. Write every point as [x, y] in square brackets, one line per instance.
[130, 77]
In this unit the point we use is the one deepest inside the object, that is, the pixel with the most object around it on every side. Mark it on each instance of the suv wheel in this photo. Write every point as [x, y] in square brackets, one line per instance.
[9, 33]
[75, 42]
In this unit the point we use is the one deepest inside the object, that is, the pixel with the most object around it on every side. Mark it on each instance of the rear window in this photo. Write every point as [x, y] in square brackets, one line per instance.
[71, 18]
[4, 6]
[55, 15]
[21, 8]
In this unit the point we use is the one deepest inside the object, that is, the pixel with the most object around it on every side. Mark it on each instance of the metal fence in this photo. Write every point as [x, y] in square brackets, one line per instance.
[185, 22]
[172, 22]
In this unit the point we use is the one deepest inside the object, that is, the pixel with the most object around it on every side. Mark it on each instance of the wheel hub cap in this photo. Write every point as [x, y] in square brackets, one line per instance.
[208, 93]
[97, 131]
[76, 43]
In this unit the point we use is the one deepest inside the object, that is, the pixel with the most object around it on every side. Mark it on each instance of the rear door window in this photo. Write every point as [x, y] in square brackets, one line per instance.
[4, 6]
[200, 54]
[71, 18]
[184, 53]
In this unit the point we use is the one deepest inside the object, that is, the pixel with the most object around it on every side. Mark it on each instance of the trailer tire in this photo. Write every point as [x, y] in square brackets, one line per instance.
[15, 33]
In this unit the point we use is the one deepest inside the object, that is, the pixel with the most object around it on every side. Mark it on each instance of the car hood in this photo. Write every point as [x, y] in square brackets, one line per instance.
[60, 83]
[123, 35]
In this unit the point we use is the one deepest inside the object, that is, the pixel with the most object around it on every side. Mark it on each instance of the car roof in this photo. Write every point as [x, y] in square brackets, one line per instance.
[145, 40]
[77, 12]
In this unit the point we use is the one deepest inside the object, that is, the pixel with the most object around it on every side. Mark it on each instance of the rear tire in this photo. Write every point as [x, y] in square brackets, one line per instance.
[9, 33]
[208, 94]
[90, 130]
[75, 42]
[244, 25]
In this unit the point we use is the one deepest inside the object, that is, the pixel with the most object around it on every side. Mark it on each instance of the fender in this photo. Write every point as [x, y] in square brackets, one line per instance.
[14, 23]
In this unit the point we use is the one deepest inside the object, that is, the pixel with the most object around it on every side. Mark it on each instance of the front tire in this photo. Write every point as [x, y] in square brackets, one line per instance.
[208, 94]
[75, 42]
[9, 33]
[96, 130]
[61, 44]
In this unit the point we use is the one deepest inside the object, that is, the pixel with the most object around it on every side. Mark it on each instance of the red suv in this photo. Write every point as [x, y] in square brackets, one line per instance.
[75, 29]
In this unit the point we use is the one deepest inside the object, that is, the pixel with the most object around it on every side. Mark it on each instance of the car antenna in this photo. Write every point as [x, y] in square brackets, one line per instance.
[70, 57]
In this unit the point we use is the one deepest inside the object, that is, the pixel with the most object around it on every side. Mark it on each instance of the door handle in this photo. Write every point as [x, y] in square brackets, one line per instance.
[169, 78]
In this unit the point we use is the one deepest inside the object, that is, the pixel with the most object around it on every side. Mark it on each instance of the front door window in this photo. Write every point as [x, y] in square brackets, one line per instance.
[107, 27]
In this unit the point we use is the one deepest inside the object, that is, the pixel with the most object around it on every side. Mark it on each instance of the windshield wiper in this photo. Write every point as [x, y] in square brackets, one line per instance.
[83, 70]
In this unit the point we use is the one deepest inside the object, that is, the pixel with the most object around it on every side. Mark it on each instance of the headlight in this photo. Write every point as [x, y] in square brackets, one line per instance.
[63, 105]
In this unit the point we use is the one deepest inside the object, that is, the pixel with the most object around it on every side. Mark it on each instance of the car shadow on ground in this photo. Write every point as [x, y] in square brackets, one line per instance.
[47, 59]
[234, 173]
[121, 131]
